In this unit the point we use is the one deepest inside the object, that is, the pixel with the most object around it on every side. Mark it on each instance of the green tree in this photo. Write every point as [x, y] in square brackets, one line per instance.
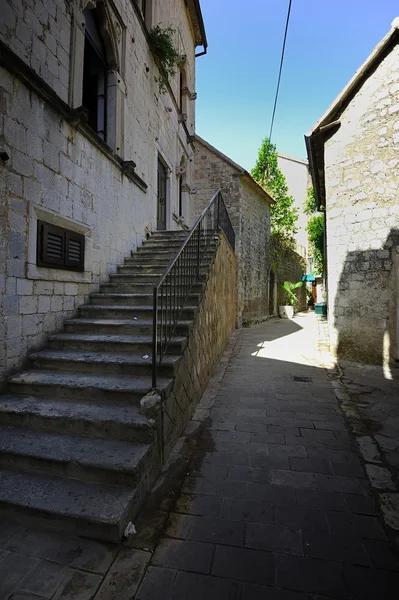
[315, 230]
[283, 214]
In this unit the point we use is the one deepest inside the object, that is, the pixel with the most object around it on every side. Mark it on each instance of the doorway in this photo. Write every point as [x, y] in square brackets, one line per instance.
[161, 196]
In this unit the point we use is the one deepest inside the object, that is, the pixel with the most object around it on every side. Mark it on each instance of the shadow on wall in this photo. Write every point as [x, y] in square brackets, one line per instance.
[366, 305]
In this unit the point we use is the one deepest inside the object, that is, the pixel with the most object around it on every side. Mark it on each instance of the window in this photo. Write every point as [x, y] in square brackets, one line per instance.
[59, 248]
[180, 191]
[95, 75]
[183, 92]
[145, 9]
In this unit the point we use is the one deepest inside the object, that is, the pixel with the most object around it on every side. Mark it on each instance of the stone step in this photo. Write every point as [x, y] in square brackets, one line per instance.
[101, 362]
[89, 509]
[85, 459]
[93, 420]
[178, 233]
[139, 288]
[81, 386]
[127, 275]
[126, 299]
[112, 343]
[121, 326]
[129, 312]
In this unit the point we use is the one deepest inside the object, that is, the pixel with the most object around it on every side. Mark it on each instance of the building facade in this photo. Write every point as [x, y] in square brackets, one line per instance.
[296, 172]
[248, 205]
[354, 156]
[93, 157]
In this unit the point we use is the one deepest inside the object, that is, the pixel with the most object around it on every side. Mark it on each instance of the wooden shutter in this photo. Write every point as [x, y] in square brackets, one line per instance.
[59, 248]
[74, 250]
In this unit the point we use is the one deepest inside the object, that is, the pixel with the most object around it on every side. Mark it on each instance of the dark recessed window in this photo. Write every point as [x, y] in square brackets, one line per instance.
[95, 75]
[59, 248]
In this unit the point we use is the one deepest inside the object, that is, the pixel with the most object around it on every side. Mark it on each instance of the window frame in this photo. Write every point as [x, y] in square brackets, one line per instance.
[43, 259]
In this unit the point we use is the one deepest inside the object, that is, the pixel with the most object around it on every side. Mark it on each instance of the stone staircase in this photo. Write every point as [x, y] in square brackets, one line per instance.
[75, 449]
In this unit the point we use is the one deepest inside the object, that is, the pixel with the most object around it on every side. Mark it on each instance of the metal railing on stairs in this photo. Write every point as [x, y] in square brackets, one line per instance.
[172, 290]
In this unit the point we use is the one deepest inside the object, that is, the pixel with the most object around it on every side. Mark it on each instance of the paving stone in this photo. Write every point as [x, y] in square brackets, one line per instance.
[294, 478]
[233, 436]
[89, 555]
[242, 473]
[124, 576]
[14, 568]
[355, 525]
[244, 564]
[360, 504]
[311, 575]
[263, 492]
[272, 538]
[299, 517]
[389, 504]
[199, 587]
[267, 438]
[369, 584]
[311, 465]
[157, 584]
[331, 455]
[338, 483]
[78, 586]
[253, 591]
[347, 469]
[382, 555]
[334, 547]
[380, 477]
[211, 529]
[232, 489]
[187, 556]
[369, 449]
[268, 462]
[8, 529]
[321, 499]
[45, 579]
[209, 471]
[35, 542]
[288, 450]
[210, 506]
[247, 510]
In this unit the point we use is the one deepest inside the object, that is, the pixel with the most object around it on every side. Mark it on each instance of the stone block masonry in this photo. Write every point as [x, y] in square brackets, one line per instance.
[214, 324]
[56, 173]
[361, 172]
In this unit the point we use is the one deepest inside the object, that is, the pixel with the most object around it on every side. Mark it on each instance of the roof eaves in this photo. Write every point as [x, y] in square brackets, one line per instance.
[197, 20]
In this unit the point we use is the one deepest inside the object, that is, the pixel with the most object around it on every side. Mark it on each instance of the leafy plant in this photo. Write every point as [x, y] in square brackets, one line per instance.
[315, 229]
[283, 214]
[289, 287]
[165, 54]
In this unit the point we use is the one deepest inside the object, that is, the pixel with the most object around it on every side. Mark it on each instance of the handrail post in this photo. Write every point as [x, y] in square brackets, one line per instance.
[154, 339]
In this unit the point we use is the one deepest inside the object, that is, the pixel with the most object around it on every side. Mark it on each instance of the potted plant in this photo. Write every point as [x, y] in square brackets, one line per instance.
[286, 311]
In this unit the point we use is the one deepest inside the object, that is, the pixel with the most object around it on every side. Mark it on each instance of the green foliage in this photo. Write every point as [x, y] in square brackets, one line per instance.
[165, 54]
[310, 205]
[283, 214]
[315, 230]
[316, 240]
[289, 287]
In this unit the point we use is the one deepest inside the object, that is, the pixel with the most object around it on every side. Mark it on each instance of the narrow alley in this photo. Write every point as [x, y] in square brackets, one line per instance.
[273, 501]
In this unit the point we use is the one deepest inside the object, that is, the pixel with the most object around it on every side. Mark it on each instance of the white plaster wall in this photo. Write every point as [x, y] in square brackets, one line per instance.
[297, 175]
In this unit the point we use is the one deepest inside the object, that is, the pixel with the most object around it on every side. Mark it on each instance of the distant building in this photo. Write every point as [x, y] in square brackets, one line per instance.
[249, 209]
[296, 171]
[353, 154]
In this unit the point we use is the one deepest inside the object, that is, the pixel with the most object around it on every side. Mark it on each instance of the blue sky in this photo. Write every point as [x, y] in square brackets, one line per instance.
[236, 81]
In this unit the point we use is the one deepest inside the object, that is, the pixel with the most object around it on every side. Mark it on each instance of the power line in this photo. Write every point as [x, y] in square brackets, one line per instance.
[281, 68]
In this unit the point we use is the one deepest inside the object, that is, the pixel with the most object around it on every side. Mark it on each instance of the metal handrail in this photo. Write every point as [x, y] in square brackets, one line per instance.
[174, 286]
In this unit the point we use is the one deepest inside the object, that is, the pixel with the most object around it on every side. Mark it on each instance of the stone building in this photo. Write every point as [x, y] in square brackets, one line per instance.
[249, 209]
[353, 154]
[296, 171]
[92, 156]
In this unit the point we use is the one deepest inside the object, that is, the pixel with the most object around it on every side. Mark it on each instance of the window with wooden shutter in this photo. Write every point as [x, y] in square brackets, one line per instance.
[59, 248]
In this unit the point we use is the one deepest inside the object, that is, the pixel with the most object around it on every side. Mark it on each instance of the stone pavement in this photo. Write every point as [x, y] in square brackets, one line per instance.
[265, 497]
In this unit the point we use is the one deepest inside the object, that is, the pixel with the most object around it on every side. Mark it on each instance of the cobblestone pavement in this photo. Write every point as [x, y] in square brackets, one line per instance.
[265, 497]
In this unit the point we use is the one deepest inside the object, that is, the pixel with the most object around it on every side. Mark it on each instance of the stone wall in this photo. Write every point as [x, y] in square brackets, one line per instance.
[57, 174]
[249, 213]
[213, 327]
[361, 170]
